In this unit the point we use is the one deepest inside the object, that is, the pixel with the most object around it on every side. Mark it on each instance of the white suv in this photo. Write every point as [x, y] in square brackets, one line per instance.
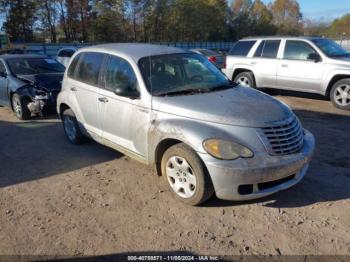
[306, 64]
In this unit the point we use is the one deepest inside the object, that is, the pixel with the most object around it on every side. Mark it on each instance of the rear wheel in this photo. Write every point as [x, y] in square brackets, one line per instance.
[340, 94]
[245, 79]
[20, 106]
[71, 127]
[186, 175]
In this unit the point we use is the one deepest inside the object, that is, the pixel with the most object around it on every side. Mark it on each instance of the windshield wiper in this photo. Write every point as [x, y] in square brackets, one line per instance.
[183, 92]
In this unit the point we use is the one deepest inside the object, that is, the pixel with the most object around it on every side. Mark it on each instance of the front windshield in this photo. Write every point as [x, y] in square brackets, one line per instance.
[181, 73]
[330, 48]
[32, 66]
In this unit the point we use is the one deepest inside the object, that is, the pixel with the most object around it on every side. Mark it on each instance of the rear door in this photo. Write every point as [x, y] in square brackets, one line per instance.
[296, 71]
[84, 83]
[3, 85]
[265, 61]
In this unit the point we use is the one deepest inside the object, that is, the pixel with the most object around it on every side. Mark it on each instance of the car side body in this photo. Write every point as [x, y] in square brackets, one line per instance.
[146, 126]
[287, 65]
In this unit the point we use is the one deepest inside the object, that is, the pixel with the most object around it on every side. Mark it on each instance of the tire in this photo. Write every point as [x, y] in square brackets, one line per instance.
[186, 175]
[71, 128]
[20, 106]
[245, 79]
[340, 94]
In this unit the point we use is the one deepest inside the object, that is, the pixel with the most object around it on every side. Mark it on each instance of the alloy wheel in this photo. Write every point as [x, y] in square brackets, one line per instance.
[342, 95]
[244, 81]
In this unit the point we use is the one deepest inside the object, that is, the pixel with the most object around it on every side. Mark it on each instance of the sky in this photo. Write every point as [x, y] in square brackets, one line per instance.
[322, 9]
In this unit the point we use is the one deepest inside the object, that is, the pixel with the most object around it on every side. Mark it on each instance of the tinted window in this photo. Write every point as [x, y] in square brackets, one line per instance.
[330, 48]
[271, 48]
[297, 50]
[2, 67]
[73, 66]
[31, 66]
[120, 74]
[66, 53]
[89, 68]
[260, 49]
[242, 48]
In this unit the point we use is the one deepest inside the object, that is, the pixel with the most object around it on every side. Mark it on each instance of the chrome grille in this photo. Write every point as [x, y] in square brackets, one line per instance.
[286, 137]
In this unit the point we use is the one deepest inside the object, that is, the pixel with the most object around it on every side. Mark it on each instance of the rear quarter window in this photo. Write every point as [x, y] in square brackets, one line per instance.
[242, 48]
[73, 66]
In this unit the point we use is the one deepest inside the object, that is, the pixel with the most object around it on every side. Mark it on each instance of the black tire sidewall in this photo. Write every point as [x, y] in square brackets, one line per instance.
[25, 113]
[79, 137]
[332, 93]
[204, 187]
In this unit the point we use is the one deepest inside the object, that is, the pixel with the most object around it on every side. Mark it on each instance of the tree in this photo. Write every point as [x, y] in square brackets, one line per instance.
[20, 20]
[287, 17]
[340, 27]
[48, 16]
[262, 19]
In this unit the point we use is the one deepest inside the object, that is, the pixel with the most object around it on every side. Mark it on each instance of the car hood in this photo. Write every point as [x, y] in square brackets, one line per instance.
[49, 82]
[241, 106]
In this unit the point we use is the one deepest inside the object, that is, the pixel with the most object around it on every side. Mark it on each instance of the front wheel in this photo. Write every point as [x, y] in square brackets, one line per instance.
[71, 127]
[20, 107]
[340, 94]
[245, 79]
[186, 175]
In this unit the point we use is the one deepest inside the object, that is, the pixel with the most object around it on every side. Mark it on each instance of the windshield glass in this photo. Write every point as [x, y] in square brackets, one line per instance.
[177, 74]
[330, 48]
[31, 66]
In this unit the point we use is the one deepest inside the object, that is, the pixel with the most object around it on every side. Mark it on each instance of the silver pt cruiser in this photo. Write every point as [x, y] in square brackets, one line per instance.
[177, 111]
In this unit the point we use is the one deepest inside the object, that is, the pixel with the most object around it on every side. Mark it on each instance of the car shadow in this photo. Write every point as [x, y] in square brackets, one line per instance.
[32, 150]
[328, 178]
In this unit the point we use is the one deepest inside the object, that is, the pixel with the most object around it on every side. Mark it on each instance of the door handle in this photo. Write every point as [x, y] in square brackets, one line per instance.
[284, 65]
[103, 99]
[74, 89]
[253, 63]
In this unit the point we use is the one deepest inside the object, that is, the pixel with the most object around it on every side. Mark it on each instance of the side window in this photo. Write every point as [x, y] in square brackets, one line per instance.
[2, 67]
[260, 49]
[242, 48]
[120, 74]
[271, 48]
[73, 66]
[60, 53]
[89, 68]
[298, 50]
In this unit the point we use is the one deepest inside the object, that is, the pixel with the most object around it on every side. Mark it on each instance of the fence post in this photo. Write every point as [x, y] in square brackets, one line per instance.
[44, 48]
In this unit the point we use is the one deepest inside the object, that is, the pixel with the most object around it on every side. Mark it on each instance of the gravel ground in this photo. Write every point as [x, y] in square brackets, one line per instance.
[64, 200]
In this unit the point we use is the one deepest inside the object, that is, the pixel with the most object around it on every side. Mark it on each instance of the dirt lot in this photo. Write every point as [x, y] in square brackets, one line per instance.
[60, 199]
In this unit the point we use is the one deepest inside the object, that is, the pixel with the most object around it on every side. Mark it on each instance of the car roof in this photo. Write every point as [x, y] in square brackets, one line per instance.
[68, 48]
[281, 37]
[133, 50]
[10, 56]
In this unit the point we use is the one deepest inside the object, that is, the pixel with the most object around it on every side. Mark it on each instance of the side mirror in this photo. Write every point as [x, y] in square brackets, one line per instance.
[125, 90]
[314, 57]
[3, 74]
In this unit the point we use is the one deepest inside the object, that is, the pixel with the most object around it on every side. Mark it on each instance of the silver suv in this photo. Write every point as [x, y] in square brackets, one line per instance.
[176, 110]
[307, 64]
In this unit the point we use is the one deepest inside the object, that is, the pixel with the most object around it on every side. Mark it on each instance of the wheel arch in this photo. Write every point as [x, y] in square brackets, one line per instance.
[237, 71]
[333, 80]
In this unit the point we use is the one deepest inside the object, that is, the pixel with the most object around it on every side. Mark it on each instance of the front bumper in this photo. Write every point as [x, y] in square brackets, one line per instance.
[262, 175]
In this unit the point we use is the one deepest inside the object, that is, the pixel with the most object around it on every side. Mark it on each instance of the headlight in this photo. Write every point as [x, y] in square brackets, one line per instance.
[226, 150]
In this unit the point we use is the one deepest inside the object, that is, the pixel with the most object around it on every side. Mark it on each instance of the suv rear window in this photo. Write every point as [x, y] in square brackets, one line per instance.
[268, 49]
[242, 48]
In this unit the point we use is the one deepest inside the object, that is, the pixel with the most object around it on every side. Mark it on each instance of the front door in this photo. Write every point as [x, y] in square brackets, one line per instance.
[297, 71]
[125, 120]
